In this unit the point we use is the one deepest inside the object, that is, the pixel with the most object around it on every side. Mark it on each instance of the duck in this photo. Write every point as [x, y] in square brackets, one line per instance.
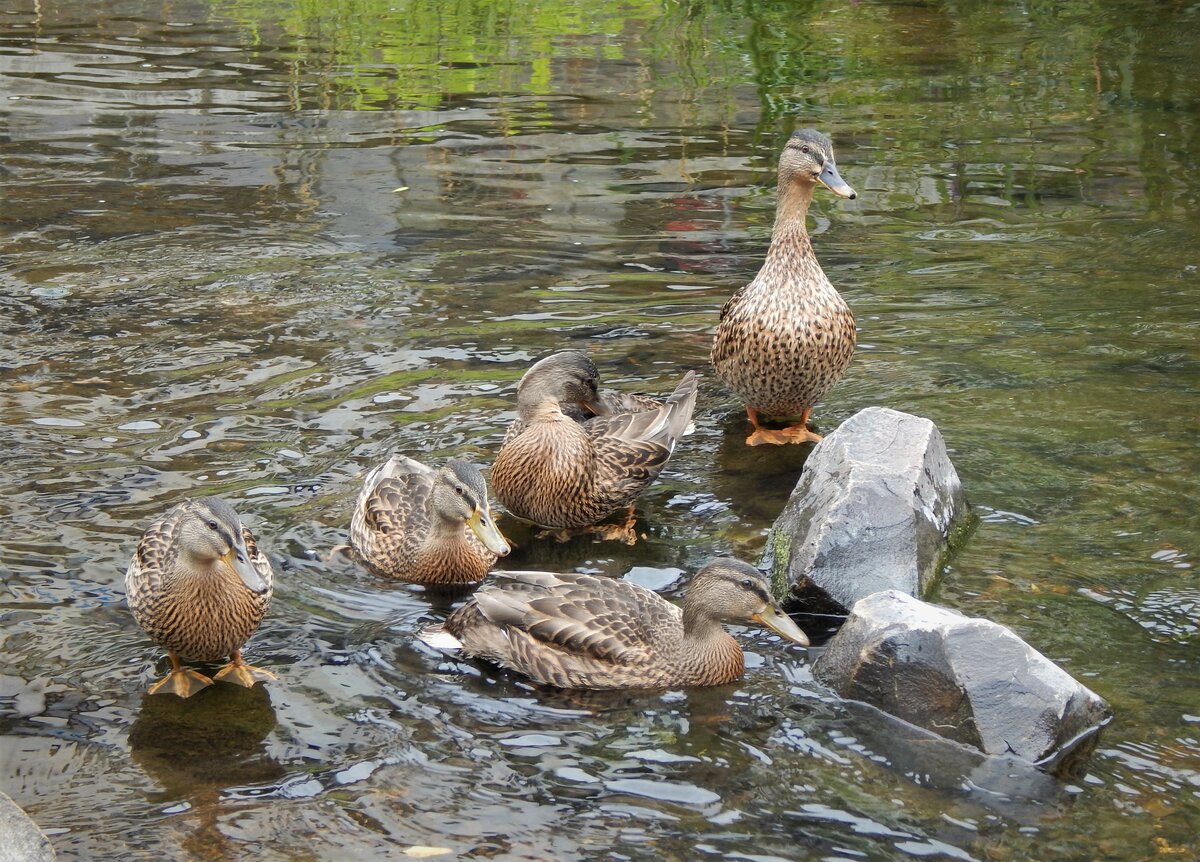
[199, 586]
[577, 631]
[559, 468]
[786, 338]
[422, 525]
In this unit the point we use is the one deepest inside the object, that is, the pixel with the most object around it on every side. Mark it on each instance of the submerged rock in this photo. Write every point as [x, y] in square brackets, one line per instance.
[20, 838]
[970, 680]
[1013, 788]
[875, 509]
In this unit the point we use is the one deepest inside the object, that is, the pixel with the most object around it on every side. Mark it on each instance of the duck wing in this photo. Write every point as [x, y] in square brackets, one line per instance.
[611, 402]
[394, 495]
[260, 561]
[632, 448]
[155, 554]
[584, 616]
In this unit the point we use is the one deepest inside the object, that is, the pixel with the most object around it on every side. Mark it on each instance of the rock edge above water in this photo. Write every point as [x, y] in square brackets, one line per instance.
[20, 838]
[876, 508]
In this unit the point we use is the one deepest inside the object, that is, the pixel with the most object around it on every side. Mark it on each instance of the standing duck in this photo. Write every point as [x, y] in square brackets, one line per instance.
[558, 471]
[786, 337]
[199, 586]
[426, 526]
[588, 632]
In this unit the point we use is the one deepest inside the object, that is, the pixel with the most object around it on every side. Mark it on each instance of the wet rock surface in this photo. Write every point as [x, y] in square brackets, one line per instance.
[20, 838]
[969, 680]
[876, 508]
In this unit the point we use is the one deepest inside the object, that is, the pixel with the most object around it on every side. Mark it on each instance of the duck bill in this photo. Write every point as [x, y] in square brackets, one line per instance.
[780, 623]
[484, 528]
[237, 560]
[832, 180]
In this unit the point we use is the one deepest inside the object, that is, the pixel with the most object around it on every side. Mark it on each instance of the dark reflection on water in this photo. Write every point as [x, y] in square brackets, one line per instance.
[195, 748]
[253, 247]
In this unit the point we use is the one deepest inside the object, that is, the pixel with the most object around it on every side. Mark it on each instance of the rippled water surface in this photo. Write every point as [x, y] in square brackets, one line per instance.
[253, 246]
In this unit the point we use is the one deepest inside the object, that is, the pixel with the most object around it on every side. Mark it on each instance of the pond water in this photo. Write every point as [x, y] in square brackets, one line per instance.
[253, 246]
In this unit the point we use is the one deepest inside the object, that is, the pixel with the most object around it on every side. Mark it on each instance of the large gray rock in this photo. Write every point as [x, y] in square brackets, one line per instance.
[876, 508]
[20, 838]
[970, 680]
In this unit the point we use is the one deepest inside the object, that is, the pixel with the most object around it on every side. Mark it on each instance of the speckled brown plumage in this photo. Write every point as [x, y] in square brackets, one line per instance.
[589, 632]
[413, 523]
[612, 402]
[560, 472]
[786, 337]
[194, 610]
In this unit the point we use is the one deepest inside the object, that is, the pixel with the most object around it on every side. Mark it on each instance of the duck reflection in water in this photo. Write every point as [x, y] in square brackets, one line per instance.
[196, 749]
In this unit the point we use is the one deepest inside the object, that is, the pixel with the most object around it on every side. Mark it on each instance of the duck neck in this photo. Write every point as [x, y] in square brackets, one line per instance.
[445, 529]
[199, 574]
[709, 652]
[541, 410]
[790, 232]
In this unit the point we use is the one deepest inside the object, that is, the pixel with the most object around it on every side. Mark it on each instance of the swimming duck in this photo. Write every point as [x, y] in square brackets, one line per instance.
[426, 526]
[199, 586]
[590, 632]
[786, 337]
[557, 471]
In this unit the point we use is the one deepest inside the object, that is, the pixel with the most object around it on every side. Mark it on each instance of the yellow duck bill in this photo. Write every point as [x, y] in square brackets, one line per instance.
[238, 562]
[484, 527]
[780, 623]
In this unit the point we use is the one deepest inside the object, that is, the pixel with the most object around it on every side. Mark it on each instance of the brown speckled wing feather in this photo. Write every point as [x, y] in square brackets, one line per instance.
[398, 504]
[632, 448]
[155, 554]
[612, 401]
[624, 467]
[261, 564]
[585, 616]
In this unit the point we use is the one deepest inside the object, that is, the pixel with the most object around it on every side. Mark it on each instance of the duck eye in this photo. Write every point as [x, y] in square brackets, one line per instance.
[746, 583]
[458, 489]
[212, 525]
[805, 150]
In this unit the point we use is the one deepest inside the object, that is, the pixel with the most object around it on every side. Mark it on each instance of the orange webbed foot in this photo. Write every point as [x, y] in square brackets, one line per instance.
[184, 682]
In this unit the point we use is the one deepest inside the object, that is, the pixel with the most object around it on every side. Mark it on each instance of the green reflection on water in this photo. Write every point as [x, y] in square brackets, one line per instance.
[1022, 263]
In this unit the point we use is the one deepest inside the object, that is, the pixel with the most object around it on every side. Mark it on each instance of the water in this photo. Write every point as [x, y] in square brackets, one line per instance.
[251, 247]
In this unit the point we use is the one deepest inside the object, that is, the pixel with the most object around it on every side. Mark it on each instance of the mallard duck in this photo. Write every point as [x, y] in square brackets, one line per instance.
[426, 526]
[786, 337]
[591, 632]
[199, 586]
[560, 472]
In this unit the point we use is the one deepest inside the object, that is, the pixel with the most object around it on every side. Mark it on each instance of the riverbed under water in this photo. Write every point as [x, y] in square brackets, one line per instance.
[251, 247]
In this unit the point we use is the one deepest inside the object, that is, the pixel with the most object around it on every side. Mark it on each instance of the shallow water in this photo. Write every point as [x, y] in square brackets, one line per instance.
[251, 247]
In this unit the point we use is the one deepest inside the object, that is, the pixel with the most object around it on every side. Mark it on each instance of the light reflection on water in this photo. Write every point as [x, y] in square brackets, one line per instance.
[243, 261]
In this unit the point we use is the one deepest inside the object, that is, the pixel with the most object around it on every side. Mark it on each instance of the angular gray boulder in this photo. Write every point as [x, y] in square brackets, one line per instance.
[876, 508]
[20, 838]
[969, 680]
